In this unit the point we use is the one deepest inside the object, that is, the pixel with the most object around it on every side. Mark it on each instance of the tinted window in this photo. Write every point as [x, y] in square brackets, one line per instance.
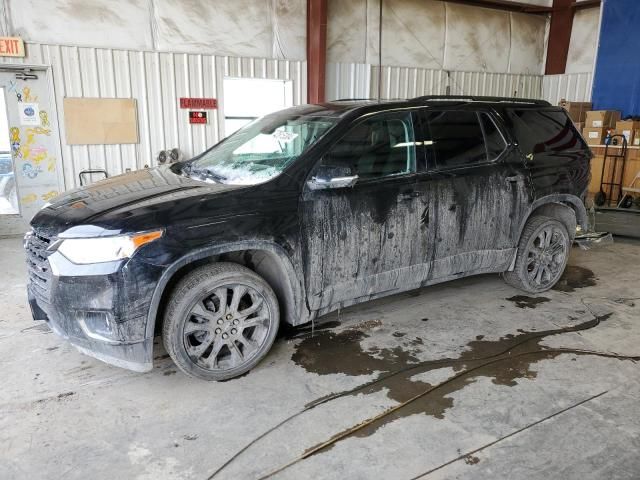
[540, 131]
[455, 139]
[379, 146]
[493, 138]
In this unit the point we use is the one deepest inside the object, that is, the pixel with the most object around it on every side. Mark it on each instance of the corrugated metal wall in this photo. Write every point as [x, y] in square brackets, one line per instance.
[572, 86]
[156, 80]
[348, 80]
[361, 80]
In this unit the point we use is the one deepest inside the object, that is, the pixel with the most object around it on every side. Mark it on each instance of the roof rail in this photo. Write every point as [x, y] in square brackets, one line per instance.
[479, 98]
[352, 99]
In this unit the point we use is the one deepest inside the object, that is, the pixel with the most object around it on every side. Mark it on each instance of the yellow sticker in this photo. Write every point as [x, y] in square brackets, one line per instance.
[32, 197]
[49, 195]
[39, 131]
[15, 134]
[44, 118]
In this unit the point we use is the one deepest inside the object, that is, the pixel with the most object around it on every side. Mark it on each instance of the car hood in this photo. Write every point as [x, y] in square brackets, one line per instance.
[119, 203]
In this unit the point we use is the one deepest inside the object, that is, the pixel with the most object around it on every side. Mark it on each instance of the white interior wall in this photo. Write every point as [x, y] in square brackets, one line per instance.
[156, 80]
[251, 28]
[584, 41]
[361, 81]
[487, 52]
[575, 87]
[436, 35]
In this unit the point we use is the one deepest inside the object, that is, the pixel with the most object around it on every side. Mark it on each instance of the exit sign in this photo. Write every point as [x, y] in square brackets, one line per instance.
[199, 103]
[11, 47]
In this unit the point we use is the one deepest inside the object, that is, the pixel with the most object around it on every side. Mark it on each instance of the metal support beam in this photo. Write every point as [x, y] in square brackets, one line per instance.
[559, 36]
[316, 50]
[508, 5]
[516, 6]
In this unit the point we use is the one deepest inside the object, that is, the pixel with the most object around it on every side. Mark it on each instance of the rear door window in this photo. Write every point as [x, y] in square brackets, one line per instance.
[496, 144]
[540, 131]
[456, 138]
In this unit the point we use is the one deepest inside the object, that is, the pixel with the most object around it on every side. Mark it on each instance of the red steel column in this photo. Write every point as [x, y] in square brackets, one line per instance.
[316, 49]
[559, 36]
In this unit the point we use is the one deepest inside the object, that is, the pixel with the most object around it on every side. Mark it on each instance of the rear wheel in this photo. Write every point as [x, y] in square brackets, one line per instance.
[221, 320]
[543, 253]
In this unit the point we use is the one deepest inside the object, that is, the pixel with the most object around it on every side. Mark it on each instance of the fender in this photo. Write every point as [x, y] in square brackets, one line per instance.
[562, 199]
[576, 203]
[300, 313]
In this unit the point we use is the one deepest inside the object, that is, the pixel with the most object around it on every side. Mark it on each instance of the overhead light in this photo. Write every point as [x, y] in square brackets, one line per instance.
[411, 144]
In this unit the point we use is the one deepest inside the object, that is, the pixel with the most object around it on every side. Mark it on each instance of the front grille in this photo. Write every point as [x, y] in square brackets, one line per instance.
[37, 265]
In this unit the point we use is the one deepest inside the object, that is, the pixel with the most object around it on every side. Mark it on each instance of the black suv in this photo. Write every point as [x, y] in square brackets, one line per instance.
[300, 213]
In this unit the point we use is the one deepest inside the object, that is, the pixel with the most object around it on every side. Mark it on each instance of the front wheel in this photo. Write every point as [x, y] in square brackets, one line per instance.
[221, 320]
[543, 253]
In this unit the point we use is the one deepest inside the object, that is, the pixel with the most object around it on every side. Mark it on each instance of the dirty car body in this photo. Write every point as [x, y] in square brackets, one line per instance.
[390, 196]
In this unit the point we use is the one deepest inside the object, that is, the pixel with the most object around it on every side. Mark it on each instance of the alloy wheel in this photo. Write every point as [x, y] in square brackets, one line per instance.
[226, 328]
[546, 256]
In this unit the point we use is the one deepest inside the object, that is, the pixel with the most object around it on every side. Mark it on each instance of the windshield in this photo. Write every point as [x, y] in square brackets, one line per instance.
[260, 150]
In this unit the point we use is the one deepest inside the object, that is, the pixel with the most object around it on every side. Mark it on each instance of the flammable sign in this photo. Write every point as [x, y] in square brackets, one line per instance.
[197, 117]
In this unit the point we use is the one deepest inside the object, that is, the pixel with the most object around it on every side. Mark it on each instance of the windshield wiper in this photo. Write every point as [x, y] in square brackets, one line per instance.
[206, 173]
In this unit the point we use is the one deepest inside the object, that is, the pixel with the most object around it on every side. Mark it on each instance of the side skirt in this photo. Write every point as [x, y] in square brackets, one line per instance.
[416, 276]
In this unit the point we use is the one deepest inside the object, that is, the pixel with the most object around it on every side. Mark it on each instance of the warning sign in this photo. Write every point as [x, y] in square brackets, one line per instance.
[197, 117]
[200, 103]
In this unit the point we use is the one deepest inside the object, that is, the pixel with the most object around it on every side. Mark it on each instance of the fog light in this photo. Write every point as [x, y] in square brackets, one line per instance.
[99, 326]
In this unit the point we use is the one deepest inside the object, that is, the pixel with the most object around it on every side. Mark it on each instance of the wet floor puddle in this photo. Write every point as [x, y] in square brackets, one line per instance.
[504, 361]
[524, 301]
[575, 277]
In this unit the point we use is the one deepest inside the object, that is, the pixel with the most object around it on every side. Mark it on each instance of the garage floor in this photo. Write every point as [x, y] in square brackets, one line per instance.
[477, 380]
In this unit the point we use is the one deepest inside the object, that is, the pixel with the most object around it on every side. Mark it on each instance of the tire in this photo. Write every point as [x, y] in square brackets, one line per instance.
[543, 252]
[220, 321]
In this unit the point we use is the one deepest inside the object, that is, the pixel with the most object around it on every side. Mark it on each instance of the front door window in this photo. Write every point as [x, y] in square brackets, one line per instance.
[380, 146]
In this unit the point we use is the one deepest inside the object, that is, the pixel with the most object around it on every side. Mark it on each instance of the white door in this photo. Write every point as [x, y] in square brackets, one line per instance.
[29, 148]
[246, 99]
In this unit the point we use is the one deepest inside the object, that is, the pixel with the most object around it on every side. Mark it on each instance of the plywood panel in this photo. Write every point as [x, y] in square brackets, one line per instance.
[100, 121]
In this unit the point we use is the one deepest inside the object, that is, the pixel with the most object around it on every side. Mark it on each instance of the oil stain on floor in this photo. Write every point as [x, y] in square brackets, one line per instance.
[523, 301]
[575, 277]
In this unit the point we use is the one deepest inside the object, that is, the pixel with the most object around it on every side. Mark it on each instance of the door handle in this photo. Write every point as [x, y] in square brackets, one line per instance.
[406, 196]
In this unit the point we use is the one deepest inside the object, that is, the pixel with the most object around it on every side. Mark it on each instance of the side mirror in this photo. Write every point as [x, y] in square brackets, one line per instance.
[327, 177]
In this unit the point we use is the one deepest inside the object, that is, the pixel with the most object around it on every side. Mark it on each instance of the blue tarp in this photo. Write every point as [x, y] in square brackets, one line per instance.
[617, 77]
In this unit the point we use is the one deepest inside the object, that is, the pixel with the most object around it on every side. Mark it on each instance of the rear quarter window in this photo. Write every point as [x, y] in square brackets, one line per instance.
[540, 131]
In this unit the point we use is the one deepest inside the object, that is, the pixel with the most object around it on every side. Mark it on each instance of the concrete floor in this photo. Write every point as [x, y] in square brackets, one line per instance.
[514, 404]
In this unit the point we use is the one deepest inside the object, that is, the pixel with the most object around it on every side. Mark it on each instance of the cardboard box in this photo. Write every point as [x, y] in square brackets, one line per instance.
[577, 110]
[594, 136]
[636, 138]
[602, 118]
[627, 128]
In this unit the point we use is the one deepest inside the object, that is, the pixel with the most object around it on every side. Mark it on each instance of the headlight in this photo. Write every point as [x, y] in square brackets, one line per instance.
[105, 249]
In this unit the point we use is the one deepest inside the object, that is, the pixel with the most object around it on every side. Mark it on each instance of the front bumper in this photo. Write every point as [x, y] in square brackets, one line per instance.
[101, 309]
